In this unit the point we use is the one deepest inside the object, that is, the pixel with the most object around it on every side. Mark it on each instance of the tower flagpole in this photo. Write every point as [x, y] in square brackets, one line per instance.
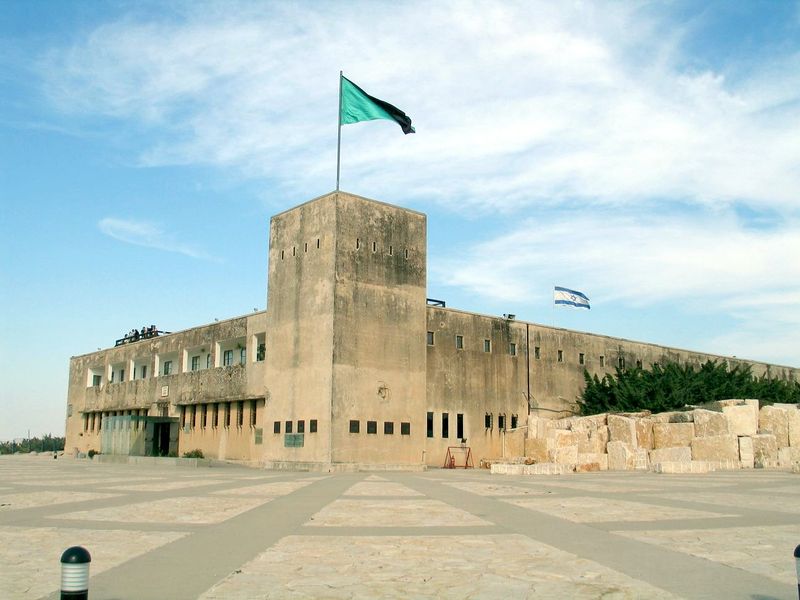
[339, 136]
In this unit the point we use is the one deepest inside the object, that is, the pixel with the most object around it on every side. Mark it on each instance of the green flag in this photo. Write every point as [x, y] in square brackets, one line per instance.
[359, 106]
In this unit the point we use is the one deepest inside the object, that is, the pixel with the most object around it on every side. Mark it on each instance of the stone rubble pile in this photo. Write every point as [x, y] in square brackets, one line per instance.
[723, 435]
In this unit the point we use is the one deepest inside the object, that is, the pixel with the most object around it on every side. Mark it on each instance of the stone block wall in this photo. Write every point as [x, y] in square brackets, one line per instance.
[728, 434]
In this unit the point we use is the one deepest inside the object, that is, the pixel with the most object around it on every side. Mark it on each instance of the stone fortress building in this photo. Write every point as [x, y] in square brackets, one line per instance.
[350, 366]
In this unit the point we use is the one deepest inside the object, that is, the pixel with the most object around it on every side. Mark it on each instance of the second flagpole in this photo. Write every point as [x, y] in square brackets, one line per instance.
[339, 136]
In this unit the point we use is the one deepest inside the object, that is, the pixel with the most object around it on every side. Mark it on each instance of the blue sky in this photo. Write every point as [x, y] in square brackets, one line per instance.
[647, 154]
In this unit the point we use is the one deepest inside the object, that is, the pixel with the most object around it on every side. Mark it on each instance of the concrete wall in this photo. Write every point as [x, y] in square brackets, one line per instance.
[379, 328]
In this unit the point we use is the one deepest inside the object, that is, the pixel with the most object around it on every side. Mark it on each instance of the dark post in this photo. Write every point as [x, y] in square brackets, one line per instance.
[797, 567]
[75, 573]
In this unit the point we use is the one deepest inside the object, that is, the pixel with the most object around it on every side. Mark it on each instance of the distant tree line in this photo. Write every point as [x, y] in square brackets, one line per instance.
[46, 443]
[672, 386]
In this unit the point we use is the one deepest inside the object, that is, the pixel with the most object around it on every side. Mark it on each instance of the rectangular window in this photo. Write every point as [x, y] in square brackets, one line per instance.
[195, 363]
[114, 374]
[203, 415]
[638, 364]
[372, 427]
[240, 413]
[487, 345]
[276, 427]
[621, 362]
[405, 428]
[194, 415]
[501, 422]
[144, 371]
[512, 349]
[253, 413]
[514, 421]
[602, 361]
[560, 356]
[122, 375]
[227, 358]
[227, 414]
[460, 426]
[581, 358]
[445, 425]
[536, 352]
[430, 425]
[301, 427]
[96, 379]
[261, 352]
[459, 342]
[312, 426]
[167, 367]
[208, 360]
[288, 427]
[355, 426]
[430, 338]
[183, 417]
[242, 356]
[388, 428]
[487, 421]
[215, 416]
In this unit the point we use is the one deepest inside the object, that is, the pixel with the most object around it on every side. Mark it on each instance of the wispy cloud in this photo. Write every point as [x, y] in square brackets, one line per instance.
[515, 103]
[149, 235]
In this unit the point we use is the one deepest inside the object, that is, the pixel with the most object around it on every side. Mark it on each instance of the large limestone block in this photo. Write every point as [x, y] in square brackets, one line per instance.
[621, 457]
[641, 461]
[676, 416]
[672, 435]
[692, 466]
[746, 456]
[536, 449]
[775, 421]
[682, 453]
[710, 423]
[644, 433]
[742, 419]
[566, 455]
[788, 456]
[560, 438]
[765, 450]
[533, 426]
[716, 447]
[794, 427]
[622, 429]
[590, 458]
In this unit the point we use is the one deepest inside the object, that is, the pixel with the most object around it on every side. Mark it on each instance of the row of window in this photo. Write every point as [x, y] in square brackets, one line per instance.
[93, 420]
[295, 250]
[211, 415]
[301, 426]
[390, 249]
[445, 428]
[229, 353]
[372, 427]
[459, 343]
[488, 421]
[537, 354]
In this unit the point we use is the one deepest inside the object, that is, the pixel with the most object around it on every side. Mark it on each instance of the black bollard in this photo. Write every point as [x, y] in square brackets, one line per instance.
[75, 573]
[797, 567]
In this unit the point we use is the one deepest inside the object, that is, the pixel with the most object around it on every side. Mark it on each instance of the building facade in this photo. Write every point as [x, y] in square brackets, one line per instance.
[350, 366]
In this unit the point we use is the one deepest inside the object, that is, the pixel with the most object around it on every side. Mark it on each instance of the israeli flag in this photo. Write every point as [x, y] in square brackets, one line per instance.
[568, 297]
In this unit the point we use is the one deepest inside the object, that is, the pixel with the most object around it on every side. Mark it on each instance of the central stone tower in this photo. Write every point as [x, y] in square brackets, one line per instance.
[346, 321]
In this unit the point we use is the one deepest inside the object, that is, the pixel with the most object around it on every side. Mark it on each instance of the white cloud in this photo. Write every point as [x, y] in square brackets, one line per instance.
[147, 234]
[515, 103]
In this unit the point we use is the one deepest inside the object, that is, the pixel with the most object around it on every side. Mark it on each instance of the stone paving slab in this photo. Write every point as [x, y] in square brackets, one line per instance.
[186, 509]
[760, 550]
[584, 509]
[243, 533]
[29, 557]
[392, 513]
[46, 498]
[492, 566]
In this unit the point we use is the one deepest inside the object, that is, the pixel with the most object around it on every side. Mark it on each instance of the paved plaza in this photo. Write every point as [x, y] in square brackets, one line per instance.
[235, 533]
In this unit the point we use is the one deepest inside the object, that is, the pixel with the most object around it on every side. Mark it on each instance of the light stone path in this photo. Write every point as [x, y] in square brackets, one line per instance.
[231, 532]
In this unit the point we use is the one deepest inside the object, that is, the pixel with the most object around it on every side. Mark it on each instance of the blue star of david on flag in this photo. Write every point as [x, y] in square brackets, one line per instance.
[568, 297]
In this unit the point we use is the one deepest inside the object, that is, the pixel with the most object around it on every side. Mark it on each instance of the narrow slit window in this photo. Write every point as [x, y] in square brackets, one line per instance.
[487, 420]
[560, 356]
[301, 427]
[487, 345]
[514, 421]
[374, 246]
[430, 338]
[459, 342]
[460, 426]
[581, 358]
[602, 361]
[430, 425]
[445, 425]
[536, 352]
[317, 243]
[305, 247]
[512, 349]
[287, 427]
[276, 427]
[312, 426]
[501, 422]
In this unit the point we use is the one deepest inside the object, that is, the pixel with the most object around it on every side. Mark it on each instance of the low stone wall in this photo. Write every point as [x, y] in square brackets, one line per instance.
[723, 435]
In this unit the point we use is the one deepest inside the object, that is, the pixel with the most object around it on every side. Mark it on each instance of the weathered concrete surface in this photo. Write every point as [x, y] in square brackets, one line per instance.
[440, 534]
